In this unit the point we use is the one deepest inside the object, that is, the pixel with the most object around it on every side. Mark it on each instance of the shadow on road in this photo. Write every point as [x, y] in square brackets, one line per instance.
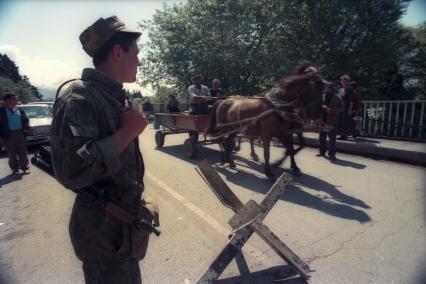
[317, 184]
[277, 274]
[177, 151]
[365, 140]
[9, 178]
[346, 163]
[326, 205]
[337, 204]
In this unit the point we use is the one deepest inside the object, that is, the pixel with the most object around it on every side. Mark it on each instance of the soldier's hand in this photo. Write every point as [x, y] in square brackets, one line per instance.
[133, 121]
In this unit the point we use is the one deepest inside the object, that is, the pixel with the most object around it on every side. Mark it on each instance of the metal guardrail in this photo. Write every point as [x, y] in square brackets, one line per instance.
[394, 119]
[387, 119]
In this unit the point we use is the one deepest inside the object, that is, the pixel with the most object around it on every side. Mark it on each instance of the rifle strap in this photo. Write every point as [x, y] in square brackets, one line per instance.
[119, 213]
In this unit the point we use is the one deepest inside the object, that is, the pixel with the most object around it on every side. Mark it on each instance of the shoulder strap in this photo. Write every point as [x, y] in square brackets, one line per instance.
[62, 85]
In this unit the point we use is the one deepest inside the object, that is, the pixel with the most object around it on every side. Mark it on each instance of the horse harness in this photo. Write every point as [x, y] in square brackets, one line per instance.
[278, 109]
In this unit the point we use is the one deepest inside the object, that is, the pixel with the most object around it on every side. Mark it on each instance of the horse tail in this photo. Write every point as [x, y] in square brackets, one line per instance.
[212, 127]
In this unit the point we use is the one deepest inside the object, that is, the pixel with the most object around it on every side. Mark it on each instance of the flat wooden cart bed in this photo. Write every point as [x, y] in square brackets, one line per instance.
[183, 122]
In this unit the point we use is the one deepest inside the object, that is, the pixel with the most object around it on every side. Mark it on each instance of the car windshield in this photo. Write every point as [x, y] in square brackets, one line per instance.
[36, 111]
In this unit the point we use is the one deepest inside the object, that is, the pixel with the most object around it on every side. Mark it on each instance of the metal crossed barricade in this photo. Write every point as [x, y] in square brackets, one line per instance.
[247, 219]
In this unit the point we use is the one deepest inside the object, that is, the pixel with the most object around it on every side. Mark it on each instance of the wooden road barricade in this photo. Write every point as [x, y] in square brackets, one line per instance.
[247, 219]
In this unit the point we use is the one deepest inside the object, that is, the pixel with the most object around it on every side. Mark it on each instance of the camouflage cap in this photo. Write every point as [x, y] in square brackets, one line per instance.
[95, 36]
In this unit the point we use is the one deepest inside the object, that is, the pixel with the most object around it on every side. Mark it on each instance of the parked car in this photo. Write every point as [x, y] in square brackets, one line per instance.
[40, 116]
[49, 103]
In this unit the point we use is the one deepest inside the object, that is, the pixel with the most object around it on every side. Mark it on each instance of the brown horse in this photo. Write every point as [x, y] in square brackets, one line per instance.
[259, 117]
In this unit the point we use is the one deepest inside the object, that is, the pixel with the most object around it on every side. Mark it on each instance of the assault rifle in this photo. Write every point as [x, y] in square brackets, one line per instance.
[42, 160]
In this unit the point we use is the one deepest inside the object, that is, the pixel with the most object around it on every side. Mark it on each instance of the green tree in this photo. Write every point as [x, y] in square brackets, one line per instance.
[414, 60]
[246, 43]
[12, 81]
[162, 94]
[8, 69]
[21, 89]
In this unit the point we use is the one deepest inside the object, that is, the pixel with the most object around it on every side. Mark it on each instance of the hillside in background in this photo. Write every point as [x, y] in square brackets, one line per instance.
[47, 93]
[12, 81]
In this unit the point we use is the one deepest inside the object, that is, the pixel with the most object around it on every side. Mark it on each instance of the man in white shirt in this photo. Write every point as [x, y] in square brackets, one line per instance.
[197, 93]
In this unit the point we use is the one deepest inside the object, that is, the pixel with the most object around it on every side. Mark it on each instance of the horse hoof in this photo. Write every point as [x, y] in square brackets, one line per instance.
[297, 172]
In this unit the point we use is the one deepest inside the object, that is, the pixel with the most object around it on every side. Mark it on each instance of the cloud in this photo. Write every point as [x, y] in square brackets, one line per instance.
[43, 73]
[49, 74]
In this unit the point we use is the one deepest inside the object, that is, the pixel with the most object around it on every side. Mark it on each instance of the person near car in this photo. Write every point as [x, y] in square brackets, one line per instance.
[95, 146]
[13, 123]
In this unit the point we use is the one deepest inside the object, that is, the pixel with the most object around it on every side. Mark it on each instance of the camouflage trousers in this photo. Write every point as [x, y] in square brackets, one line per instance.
[102, 243]
[16, 145]
[126, 272]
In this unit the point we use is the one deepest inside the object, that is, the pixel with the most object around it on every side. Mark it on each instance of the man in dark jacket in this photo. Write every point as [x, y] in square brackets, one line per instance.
[13, 123]
[172, 104]
[333, 106]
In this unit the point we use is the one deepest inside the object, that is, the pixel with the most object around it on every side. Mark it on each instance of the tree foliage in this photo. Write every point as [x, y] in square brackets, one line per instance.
[12, 81]
[247, 43]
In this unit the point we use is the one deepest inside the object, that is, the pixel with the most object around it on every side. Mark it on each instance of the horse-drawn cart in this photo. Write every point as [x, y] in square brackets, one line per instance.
[183, 122]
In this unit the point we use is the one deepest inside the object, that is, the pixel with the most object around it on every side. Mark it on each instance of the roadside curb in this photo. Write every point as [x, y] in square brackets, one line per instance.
[378, 150]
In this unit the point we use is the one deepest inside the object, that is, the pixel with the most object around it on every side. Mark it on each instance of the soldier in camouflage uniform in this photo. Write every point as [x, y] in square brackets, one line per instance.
[94, 144]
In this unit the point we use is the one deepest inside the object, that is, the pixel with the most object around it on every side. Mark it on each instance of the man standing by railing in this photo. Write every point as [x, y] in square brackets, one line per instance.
[346, 124]
[356, 108]
[333, 106]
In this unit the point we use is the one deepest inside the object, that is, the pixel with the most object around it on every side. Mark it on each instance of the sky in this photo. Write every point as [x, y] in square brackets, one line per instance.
[41, 36]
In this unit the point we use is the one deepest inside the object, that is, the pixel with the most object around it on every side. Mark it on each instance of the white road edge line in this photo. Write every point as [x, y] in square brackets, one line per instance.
[203, 215]
[191, 206]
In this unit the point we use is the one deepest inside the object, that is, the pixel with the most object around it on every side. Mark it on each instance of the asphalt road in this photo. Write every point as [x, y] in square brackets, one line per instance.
[357, 220]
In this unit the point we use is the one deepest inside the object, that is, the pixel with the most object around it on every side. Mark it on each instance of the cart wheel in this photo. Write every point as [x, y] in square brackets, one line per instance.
[194, 135]
[159, 138]
[190, 148]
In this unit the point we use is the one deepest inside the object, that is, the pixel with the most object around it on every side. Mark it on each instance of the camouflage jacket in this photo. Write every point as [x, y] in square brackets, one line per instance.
[84, 153]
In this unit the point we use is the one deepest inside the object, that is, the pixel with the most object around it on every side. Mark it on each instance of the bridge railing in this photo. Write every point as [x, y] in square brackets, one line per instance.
[394, 119]
[386, 119]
